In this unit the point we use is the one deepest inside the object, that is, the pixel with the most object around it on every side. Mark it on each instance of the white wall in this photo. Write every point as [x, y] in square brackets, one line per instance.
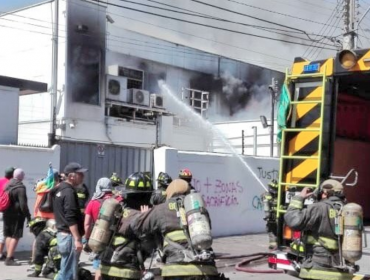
[229, 189]
[35, 163]
[9, 115]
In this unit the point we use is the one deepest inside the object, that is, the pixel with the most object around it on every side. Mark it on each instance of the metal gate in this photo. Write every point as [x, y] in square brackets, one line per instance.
[102, 160]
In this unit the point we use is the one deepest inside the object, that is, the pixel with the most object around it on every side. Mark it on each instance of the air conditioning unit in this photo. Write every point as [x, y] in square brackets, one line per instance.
[156, 100]
[116, 88]
[138, 96]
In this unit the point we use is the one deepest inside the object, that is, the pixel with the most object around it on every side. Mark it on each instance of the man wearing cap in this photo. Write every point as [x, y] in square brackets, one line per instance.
[69, 221]
[15, 215]
[3, 181]
[317, 223]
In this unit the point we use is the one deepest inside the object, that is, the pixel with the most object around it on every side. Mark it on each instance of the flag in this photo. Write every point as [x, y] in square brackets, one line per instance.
[47, 183]
[283, 111]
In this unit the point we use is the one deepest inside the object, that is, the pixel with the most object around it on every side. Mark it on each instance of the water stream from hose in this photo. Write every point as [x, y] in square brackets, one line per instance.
[191, 114]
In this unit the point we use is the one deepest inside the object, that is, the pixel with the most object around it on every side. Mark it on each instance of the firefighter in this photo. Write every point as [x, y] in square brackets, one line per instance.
[269, 200]
[179, 253]
[124, 258]
[185, 174]
[159, 195]
[46, 246]
[83, 196]
[317, 224]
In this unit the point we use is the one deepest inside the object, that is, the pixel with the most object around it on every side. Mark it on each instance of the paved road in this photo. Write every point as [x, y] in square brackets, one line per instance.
[226, 246]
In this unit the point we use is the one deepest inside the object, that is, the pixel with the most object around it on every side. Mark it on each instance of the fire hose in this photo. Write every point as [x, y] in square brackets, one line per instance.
[243, 265]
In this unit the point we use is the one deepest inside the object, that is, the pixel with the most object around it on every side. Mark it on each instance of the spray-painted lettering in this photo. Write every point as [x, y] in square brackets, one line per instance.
[218, 192]
[257, 203]
[267, 174]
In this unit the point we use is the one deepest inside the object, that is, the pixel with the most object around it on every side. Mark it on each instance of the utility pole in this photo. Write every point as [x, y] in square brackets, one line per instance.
[349, 18]
[273, 90]
[54, 75]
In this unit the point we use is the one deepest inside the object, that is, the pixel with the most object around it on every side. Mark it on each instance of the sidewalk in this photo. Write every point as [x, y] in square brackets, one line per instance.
[225, 246]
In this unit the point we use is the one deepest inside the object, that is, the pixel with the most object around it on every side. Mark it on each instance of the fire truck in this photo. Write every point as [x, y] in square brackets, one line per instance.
[326, 135]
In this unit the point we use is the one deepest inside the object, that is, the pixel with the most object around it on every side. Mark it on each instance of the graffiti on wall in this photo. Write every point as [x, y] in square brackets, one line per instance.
[219, 193]
[268, 174]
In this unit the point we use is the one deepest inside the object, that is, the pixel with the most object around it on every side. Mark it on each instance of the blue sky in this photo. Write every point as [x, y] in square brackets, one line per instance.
[9, 5]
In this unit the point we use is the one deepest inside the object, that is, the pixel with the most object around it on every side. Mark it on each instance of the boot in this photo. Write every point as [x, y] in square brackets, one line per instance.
[11, 262]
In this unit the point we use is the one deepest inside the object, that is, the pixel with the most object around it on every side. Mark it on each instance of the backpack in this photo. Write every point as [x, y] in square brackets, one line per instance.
[4, 200]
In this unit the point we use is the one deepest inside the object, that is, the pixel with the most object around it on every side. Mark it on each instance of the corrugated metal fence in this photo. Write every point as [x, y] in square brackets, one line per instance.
[102, 160]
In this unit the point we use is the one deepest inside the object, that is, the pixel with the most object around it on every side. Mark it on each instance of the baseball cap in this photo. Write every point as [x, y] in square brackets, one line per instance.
[332, 185]
[9, 172]
[74, 167]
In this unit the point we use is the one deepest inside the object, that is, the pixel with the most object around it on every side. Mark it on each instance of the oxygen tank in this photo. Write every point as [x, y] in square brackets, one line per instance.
[103, 230]
[352, 232]
[198, 222]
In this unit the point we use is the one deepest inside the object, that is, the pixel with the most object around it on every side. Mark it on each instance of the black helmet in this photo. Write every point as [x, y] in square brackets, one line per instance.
[164, 179]
[116, 181]
[273, 186]
[186, 175]
[138, 182]
[36, 225]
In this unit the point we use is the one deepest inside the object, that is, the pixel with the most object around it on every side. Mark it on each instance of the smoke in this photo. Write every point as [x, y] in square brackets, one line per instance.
[240, 100]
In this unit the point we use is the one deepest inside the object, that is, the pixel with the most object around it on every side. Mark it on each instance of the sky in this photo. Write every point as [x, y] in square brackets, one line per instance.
[10, 5]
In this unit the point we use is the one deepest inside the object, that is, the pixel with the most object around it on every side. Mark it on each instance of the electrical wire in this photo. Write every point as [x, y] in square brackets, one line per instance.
[210, 26]
[273, 12]
[323, 30]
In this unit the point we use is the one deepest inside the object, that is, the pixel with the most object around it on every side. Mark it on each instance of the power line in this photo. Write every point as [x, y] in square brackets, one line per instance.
[264, 28]
[209, 26]
[274, 12]
[322, 31]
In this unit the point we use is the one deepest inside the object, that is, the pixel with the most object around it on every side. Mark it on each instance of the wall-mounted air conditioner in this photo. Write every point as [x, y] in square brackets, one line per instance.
[138, 96]
[116, 88]
[156, 101]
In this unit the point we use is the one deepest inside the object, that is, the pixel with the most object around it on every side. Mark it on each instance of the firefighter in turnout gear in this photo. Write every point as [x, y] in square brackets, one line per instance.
[124, 257]
[46, 246]
[183, 259]
[185, 174]
[83, 196]
[159, 195]
[317, 224]
[269, 200]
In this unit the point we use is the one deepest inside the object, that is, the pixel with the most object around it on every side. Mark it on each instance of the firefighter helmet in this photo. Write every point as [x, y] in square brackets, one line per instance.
[116, 181]
[164, 179]
[138, 182]
[36, 225]
[186, 175]
[332, 186]
[273, 186]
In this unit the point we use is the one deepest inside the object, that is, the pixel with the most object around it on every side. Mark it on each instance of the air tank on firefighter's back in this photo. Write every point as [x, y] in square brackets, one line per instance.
[198, 221]
[352, 232]
[105, 225]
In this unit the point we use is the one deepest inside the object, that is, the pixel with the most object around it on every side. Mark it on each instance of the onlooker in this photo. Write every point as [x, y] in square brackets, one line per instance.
[3, 181]
[15, 215]
[69, 221]
[103, 191]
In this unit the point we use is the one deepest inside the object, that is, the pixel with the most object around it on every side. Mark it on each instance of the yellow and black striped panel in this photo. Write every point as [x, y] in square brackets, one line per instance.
[361, 277]
[304, 143]
[300, 63]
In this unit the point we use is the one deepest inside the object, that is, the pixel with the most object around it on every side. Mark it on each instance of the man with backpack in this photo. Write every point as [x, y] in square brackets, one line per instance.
[15, 214]
[3, 181]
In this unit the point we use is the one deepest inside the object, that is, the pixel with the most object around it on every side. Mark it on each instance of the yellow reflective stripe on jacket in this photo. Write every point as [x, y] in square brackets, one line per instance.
[118, 240]
[53, 242]
[177, 235]
[324, 274]
[81, 195]
[328, 243]
[120, 272]
[295, 203]
[188, 270]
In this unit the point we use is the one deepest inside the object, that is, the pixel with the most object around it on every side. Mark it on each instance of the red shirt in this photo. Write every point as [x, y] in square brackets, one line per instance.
[93, 207]
[3, 182]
